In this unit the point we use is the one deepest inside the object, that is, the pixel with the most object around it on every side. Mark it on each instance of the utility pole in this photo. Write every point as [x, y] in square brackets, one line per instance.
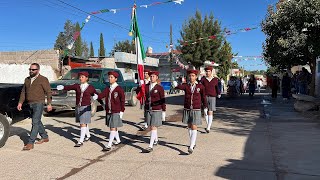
[171, 53]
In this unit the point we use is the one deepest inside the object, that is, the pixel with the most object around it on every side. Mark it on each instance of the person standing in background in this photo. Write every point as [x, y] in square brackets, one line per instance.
[35, 89]
[286, 86]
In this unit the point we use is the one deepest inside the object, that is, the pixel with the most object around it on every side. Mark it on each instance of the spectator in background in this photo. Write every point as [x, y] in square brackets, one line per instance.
[222, 85]
[274, 86]
[286, 85]
[252, 85]
[259, 85]
[304, 79]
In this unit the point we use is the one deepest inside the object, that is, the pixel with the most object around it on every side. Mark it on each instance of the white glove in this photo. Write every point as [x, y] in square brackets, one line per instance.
[95, 97]
[199, 78]
[163, 116]
[141, 82]
[121, 115]
[174, 84]
[219, 96]
[60, 87]
[205, 111]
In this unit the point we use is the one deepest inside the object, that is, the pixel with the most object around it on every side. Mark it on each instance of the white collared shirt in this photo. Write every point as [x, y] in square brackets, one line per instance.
[209, 78]
[112, 87]
[34, 78]
[84, 86]
[152, 85]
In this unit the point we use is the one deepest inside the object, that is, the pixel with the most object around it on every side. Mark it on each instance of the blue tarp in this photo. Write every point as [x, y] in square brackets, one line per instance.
[166, 85]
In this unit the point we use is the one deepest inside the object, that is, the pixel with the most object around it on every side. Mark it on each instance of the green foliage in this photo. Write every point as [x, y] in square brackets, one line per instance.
[78, 44]
[102, 50]
[91, 50]
[65, 38]
[225, 57]
[292, 34]
[123, 46]
[193, 29]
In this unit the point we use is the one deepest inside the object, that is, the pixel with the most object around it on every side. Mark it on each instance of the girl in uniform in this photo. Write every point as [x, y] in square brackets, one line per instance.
[115, 101]
[194, 97]
[155, 107]
[84, 91]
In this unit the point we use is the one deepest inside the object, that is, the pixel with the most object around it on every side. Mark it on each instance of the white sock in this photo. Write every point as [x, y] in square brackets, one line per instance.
[82, 134]
[152, 137]
[210, 117]
[146, 125]
[193, 138]
[88, 131]
[190, 132]
[156, 139]
[207, 120]
[111, 137]
[117, 137]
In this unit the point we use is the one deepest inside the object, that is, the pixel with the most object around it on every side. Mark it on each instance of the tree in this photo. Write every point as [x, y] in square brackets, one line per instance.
[203, 50]
[66, 37]
[292, 35]
[225, 60]
[78, 46]
[91, 50]
[102, 50]
[85, 49]
[123, 46]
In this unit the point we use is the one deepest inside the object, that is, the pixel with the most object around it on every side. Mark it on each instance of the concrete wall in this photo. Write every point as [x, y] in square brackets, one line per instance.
[43, 57]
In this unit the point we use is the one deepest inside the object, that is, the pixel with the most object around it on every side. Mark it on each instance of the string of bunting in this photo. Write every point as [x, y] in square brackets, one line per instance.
[241, 58]
[209, 38]
[115, 10]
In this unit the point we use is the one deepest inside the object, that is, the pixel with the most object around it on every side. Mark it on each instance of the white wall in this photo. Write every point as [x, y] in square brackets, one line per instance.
[16, 73]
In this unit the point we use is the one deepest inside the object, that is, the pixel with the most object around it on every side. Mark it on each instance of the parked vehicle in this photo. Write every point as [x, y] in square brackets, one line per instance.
[98, 77]
[9, 98]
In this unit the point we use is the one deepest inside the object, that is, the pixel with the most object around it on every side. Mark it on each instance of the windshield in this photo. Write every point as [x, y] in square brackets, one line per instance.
[94, 75]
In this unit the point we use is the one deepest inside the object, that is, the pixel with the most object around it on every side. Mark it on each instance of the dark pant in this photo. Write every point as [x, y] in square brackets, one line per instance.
[37, 126]
[274, 92]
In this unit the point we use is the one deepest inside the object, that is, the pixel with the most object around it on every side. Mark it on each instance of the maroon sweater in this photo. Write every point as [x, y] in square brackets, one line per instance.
[155, 96]
[211, 87]
[117, 99]
[197, 99]
[86, 98]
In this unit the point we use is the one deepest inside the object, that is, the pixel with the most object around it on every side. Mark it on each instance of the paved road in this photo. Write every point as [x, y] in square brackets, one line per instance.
[242, 145]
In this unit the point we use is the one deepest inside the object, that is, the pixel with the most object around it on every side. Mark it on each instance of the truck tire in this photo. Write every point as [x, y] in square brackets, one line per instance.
[133, 100]
[4, 130]
[94, 107]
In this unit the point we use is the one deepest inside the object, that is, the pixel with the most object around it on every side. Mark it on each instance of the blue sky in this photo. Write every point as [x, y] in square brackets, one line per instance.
[34, 24]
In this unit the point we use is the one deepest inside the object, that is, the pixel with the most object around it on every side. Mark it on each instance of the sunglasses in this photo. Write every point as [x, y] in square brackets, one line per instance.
[33, 69]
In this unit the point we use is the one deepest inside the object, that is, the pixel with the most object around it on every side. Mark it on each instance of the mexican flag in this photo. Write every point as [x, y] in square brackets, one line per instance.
[141, 55]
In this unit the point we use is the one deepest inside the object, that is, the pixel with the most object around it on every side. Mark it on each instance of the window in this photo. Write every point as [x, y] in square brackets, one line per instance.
[73, 74]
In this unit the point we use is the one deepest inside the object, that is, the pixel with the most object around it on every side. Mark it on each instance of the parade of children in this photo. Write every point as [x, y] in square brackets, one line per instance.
[84, 92]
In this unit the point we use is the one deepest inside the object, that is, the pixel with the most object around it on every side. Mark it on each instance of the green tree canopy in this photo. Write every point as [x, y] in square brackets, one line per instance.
[102, 50]
[91, 50]
[204, 50]
[78, 43]
[123, 46]
[292, 34]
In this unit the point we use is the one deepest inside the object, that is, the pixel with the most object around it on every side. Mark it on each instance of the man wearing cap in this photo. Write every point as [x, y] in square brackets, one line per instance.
[35, 89]
[212, 90]
[84, 92]
[194, 98]
[115, 101]
[155, 107]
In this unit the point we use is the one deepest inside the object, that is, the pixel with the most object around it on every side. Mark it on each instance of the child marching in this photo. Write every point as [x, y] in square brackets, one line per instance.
[193, 99]
[115, 101]
[84, 91]
[212, 92]
[154, 108]
[146, 81]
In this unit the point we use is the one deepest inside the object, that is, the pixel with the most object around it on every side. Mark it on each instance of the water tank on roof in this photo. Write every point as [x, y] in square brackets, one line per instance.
[149, 50]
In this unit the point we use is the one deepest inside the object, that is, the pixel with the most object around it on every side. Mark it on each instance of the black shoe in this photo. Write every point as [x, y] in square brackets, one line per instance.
[106, 148]
[116, 143]
[78, 144]
[156, 143]
[207, 130]
[190, 151]
[149, 149]
[87, 139]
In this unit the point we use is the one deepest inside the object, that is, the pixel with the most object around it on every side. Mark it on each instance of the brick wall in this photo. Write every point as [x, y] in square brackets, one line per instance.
[43, 57]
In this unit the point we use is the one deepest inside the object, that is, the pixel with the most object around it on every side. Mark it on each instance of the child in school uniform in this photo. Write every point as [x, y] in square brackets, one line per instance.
[155, 107]
[115, 101]
[194, 97]
[212, 92]
[84, 92]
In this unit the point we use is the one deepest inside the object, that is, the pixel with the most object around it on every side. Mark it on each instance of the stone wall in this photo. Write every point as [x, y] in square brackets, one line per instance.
[43, 57]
